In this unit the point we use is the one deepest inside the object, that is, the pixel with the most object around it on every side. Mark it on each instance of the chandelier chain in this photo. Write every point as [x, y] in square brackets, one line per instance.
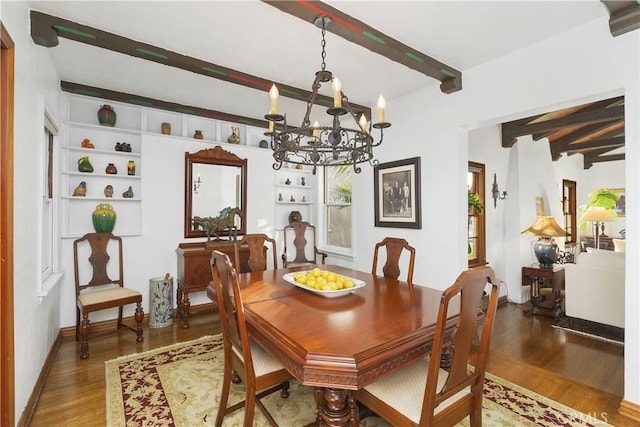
[323, 65]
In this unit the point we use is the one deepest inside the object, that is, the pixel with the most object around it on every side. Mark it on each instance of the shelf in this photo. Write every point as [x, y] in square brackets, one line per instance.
[98, 151]
[305, 187]
[100, 128]
[294, 203]
[101, 199]
[101, 175]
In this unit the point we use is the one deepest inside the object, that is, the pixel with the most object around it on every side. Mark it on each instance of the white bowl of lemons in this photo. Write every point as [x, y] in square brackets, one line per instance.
[324, 282]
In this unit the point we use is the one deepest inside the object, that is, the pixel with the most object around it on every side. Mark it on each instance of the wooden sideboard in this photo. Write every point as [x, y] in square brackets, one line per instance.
[194, 270]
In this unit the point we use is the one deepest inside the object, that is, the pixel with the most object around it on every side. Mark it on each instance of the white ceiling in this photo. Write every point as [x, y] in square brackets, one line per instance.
[259, 39]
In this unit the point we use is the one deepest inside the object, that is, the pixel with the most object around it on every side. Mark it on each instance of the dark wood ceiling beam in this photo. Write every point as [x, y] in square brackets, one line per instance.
[128, 98]
[559, 145]
[579, 118]
[624, 16]
[611, 143]
[593, 107]
[45, 30]
[360, 33]
[589, 160]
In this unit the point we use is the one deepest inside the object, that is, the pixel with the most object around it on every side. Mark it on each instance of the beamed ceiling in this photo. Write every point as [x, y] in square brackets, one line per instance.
[122, 50]
[595, 130]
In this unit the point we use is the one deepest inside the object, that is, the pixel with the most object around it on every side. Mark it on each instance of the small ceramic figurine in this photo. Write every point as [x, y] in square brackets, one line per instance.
[279, 197]
[292, 199]
[128, 194]
[302, 181]
[108, 191]
[234, 138]
[304, 199]
[288, 181]
[81, 189]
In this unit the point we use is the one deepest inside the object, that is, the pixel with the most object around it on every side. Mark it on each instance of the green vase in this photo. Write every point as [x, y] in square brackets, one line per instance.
[104, 218]
[84, 165]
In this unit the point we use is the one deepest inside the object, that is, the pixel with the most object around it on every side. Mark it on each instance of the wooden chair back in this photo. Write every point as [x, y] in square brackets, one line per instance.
[394, 247]
[107, 279]
[257, 254]
[452, 393]
[242, 358]
[468, 291]
[231, 311]
[297, 248]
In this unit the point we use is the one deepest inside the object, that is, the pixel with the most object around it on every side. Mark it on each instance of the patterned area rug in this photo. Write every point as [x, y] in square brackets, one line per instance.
[179, 386]
[587, 328]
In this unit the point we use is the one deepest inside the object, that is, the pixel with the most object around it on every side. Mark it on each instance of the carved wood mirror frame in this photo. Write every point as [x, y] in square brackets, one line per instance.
[216, 156]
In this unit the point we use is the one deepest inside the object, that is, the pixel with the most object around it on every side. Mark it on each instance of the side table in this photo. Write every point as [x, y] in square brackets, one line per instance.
[546, 289]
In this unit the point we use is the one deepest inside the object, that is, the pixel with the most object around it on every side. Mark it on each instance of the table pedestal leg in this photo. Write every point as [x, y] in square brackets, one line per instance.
[334, 410]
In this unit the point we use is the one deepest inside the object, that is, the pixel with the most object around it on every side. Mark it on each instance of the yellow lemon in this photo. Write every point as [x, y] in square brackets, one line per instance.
[348, 284]
[311, 282]
[332, 277]
[302, 279]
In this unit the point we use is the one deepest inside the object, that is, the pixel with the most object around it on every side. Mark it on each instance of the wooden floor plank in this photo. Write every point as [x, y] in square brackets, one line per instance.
[576, 371]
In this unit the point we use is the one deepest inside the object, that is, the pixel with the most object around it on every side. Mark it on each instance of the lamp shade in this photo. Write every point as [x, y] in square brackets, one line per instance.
[545, 226]
[596, 213]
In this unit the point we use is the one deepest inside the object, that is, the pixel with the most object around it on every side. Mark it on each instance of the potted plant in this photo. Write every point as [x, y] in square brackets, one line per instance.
[602, 198]
[473, 203]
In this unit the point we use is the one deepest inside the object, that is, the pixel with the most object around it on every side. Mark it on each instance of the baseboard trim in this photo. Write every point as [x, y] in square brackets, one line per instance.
[630, 410]
[30, 407]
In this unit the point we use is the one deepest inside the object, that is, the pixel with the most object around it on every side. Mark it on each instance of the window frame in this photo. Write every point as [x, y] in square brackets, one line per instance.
[323, 224]
[477, 185]
[49, 242]
[569, 210]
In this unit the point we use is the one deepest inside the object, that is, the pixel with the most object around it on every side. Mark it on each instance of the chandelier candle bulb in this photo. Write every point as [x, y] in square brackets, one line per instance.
[273, 94]
[315, 126]
[381, 104]
[363, 123]
[336, 85]
[271, 125]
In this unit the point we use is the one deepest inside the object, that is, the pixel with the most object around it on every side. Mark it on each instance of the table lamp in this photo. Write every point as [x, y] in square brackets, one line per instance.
[598, 215]
[545, 249]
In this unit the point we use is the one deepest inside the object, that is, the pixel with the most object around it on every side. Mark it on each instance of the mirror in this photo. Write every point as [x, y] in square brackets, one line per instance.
[214, 180]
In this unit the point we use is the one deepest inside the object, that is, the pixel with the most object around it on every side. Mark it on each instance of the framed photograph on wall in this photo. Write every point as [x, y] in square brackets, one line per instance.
[620, 206]
[540, 211]
[396, 192]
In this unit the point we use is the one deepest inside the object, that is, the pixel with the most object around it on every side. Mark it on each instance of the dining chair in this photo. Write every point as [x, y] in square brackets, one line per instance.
[442, 397]
[394, 247]
[257, 252]
[306, 251]
[256, 368]
[101, 291]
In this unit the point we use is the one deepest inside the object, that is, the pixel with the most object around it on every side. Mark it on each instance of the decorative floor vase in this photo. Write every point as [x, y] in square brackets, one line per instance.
[104, 218]
[160, 302]
[106, 116]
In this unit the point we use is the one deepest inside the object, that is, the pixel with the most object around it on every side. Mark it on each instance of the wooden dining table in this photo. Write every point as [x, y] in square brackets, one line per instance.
[344, 343]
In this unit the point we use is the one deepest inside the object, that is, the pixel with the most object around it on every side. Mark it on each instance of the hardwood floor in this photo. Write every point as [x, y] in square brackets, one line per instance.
[576, 371]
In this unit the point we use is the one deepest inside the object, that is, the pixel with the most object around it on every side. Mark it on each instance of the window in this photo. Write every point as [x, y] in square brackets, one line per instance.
[476, 254]
[337, 207]
[569, 210]
[49, 235]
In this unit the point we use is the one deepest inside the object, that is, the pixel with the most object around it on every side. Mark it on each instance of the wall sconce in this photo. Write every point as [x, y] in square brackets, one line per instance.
[196, 184]
[495, 192]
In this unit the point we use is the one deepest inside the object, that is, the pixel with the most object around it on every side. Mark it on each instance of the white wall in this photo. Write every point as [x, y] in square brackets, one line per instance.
[427, 123]
[37, 324]
[434, 126]
[162, 164]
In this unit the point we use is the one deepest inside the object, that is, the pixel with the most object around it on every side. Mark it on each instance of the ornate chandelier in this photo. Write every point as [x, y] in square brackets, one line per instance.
[317, 145]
